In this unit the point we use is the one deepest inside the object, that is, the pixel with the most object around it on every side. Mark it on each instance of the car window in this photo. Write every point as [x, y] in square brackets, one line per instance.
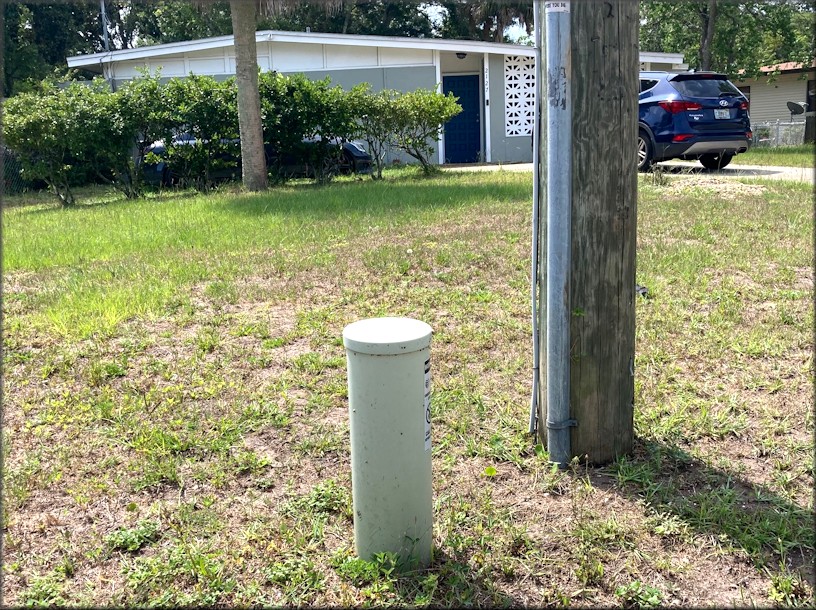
[705, 87]
[647, 83]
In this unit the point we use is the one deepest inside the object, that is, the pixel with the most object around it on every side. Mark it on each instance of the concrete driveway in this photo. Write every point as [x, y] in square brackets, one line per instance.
[676, 168]
[693, 168]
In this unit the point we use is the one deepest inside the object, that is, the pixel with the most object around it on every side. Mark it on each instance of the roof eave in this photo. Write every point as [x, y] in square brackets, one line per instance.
[442, 44]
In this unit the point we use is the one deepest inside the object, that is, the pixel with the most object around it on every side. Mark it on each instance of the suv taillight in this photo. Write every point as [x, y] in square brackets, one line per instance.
[675, 106]
[743, 105]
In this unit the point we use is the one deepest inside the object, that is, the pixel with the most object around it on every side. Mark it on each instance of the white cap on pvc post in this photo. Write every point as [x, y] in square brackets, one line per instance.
[389, 412]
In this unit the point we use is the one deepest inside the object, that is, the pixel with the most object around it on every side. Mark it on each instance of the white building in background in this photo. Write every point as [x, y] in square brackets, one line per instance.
[493, 81]
[779, 84]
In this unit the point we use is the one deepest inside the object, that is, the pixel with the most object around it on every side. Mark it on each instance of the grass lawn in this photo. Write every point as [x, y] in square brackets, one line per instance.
[176, 425]
[785, 156]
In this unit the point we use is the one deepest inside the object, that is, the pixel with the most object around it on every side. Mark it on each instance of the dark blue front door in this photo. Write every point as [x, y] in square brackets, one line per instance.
[463, 136]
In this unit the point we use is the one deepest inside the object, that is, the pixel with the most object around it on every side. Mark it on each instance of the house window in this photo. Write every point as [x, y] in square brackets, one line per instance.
[746, 91]
[811, 96]
[519, 95]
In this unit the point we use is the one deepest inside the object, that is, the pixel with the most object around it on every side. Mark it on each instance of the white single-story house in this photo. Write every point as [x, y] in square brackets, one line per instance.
[779, 84]
[493, 81]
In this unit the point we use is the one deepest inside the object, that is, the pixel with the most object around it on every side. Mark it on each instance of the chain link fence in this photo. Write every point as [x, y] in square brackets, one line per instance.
[13, 181]
[778, 133]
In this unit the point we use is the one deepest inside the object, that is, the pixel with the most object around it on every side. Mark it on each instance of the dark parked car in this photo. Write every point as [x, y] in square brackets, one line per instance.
[691, 115]
[350, 158]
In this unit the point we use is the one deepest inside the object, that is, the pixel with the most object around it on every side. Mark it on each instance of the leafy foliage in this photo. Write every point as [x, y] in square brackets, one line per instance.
[372, 17]
[485, 20]
[146, 117]
[303, 118]
[204, 117]
[67, 136]
[85, 132]
[132, 539]
[639, 595]
[746, 35]
[420, 116]
[377, 124]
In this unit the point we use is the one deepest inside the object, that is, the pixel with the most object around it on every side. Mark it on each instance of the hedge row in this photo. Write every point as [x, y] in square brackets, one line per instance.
[86, 132]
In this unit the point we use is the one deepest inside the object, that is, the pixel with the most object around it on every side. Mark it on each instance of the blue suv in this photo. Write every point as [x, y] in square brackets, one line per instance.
[691, 115]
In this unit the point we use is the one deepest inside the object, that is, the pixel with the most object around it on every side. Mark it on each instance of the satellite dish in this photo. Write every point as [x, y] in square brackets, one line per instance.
[796, 108]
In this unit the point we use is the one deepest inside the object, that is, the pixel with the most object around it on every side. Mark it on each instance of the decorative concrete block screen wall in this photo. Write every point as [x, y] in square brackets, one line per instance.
[519, 95]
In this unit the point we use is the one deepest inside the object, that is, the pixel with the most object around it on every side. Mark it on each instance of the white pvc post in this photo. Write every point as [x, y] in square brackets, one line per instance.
[389, 407]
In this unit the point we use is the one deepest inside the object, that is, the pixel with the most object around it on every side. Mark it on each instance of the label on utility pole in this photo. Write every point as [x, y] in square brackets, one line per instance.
[428, 405]
[557, 7]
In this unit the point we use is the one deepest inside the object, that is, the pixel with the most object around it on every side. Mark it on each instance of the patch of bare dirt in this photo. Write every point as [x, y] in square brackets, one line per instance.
[724, 188]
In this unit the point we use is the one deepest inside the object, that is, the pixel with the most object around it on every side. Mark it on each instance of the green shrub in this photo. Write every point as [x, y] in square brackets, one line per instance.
[303, 118]
[377, 124]
[67, 136]
[420, 116]
[144, 109]
[203, 114]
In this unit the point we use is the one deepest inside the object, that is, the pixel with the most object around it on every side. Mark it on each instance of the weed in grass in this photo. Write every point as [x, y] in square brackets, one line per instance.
[45, 592]
[273, 342]
[181, 575]
[639, 595]
[207, 340]
[247, 462]
[152, 471]
[298, 577]
[789, 589]
[669, 526]
[252, 329]
[725, 274]
[326, 497]
[321, 440]
[100, 371]
[314, 364]
[222, 291]
[259, 414]
[134, 538]
[361, 572]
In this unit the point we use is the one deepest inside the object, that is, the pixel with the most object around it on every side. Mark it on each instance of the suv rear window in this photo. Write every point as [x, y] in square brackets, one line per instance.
[705, 87]
[647, 83]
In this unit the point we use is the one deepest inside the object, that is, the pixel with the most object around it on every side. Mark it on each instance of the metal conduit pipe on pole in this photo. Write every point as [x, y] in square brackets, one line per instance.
[559, 191]
[534, 280]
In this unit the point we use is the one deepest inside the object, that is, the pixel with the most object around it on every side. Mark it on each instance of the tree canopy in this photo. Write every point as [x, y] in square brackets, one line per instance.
[724, 35]
[729, 35]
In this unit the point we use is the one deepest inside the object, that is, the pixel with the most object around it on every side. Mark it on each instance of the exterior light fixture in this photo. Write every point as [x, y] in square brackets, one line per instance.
[461, 55]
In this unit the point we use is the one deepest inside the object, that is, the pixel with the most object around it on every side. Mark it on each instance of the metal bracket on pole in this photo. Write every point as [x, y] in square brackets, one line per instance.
[562, 425]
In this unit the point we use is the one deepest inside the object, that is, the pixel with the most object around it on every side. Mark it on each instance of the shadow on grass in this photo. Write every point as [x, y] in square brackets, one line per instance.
[737, 170]
[684, 490]
[404, 196]
[89, 198]
[449, 583]
[404, 193]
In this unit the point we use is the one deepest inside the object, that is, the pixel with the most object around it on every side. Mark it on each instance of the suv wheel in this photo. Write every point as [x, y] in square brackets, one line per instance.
[716, 160]
[645, 152]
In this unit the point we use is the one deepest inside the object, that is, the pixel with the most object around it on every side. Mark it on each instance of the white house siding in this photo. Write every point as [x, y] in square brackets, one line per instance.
[769, 100]
[384, 62]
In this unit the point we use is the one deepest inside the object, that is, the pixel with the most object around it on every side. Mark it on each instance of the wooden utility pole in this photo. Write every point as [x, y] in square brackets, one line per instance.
[605, 63]
[604, 85]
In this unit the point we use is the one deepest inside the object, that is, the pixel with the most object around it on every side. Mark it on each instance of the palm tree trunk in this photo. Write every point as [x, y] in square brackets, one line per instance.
[253, 163]
[709, 18]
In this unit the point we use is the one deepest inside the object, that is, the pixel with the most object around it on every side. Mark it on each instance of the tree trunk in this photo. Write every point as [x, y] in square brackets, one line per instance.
[253, 162]
[709, 19]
